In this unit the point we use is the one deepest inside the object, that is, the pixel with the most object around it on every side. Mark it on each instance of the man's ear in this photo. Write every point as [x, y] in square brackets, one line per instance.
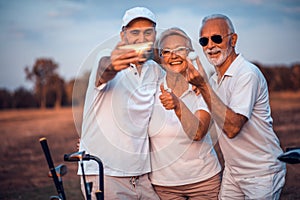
[234, 38]
[122, 35]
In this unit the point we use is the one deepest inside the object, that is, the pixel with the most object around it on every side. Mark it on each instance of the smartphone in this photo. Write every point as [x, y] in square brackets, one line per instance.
[143, 49]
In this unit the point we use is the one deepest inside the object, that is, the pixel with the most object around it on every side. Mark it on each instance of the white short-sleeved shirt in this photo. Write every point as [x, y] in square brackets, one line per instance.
[116, 118]
[175, 158]
[255, 149]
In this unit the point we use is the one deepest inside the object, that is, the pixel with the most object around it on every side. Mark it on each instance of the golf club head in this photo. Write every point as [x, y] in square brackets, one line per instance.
[291, 156]
[60, 170]
[55, 198]
[89, 185]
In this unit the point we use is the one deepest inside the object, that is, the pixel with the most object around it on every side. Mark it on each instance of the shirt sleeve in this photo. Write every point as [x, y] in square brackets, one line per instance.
[244, 94]
[92, 91]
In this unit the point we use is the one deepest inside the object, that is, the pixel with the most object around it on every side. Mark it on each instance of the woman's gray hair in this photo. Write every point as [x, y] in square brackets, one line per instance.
[174, 31]
[219, 16]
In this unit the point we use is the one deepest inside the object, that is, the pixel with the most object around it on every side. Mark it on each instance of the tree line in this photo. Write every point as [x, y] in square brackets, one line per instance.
[52, 91]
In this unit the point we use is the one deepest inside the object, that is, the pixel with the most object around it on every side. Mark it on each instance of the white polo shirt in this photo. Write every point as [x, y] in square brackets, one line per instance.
[255, 149]
[175, 158]
[115, 121]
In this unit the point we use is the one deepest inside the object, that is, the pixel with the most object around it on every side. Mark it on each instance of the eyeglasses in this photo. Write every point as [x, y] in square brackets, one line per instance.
[218, 39]
[179, 51]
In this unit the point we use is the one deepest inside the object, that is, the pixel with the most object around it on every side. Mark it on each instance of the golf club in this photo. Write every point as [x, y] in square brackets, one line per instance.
[291, 156]
[78, 156]
[82, 156]
[57, 182]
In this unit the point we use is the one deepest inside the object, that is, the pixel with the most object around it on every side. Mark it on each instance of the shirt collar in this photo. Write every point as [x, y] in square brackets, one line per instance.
[234, 66]
[231, 69]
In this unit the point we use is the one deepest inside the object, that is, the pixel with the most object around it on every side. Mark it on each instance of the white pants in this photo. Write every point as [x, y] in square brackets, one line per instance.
[265, 187]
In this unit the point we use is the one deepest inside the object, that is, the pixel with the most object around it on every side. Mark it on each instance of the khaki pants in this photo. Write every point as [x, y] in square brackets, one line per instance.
[124, 188]
[204, 190]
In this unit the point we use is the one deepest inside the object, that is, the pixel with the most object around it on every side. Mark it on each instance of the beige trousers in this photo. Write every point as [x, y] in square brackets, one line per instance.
[125, 188]
[204, 190]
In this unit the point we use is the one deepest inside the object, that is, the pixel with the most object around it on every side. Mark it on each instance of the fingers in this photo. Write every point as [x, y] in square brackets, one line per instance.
[78, 144]
[191, 68]
[121, 43]
[196, 62]
[190, 71]
[196, 90]
[201, 70]
[162, 89]
[194, 76]
[167, 98]
[122, 58]
[199, 64]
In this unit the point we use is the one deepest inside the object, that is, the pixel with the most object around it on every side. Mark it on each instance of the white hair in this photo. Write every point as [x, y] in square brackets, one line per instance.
[219, 16]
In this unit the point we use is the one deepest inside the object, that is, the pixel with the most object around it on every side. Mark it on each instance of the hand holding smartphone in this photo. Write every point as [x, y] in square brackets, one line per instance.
[143, 49]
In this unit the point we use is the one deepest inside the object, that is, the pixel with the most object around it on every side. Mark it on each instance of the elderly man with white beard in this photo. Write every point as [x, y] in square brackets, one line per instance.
[237, 97]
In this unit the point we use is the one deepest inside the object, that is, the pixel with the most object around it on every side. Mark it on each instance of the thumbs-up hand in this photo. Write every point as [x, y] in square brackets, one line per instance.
[168, 99]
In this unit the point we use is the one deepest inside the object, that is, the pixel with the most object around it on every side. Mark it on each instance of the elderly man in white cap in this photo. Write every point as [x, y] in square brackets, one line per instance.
[117, 110]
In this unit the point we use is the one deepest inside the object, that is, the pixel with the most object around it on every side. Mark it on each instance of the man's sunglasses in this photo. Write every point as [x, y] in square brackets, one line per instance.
[218, 39]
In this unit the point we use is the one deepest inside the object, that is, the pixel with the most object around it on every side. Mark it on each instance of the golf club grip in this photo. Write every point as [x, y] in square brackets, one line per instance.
[99, 195]
[46, 150]
[69, 158]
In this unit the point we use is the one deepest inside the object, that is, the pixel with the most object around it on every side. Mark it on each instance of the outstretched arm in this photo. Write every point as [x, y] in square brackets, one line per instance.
[119, 59]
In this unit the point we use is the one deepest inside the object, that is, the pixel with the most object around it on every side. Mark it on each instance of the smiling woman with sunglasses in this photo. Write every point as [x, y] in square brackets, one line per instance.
[237, 97]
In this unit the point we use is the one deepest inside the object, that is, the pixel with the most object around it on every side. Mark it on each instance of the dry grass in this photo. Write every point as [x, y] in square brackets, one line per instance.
[23, 167]
[285, 100]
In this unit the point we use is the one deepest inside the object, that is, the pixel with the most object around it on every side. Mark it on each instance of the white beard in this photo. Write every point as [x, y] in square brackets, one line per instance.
[221, 59]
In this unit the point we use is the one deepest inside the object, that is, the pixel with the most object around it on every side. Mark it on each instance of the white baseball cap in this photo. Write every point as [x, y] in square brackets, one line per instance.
[137, 12]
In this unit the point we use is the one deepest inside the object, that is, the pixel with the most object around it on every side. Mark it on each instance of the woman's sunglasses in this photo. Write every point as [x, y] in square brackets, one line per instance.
[218, 39]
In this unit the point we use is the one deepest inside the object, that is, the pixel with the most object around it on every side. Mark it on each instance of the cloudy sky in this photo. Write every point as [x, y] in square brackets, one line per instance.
[68, 30]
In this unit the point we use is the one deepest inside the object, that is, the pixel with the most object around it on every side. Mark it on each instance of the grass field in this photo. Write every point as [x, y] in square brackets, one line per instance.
[23, 167]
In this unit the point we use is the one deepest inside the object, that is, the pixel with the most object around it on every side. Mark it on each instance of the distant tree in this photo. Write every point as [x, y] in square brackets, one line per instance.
[296, 76]
[45, 78]
[5, 99]
[284, 75]
[281, 77]
[69, 91]
[268, 74]
[56, 84]
[23, 98]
